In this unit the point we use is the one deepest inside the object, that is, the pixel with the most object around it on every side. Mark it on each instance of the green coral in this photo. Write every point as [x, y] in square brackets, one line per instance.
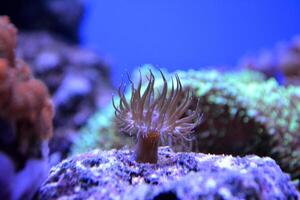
[242, 114]
[100, 132]
[247, 116]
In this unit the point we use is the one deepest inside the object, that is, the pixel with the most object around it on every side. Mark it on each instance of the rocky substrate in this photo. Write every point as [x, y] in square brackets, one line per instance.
[115, 175]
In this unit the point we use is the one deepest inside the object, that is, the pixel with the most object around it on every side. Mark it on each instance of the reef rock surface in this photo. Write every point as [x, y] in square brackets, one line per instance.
[115, 175]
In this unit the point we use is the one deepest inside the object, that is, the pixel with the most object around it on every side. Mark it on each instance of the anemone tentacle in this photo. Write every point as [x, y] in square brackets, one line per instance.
[155, 118]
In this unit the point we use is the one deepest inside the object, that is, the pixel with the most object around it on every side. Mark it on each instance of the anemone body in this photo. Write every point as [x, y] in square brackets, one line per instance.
[155, 118]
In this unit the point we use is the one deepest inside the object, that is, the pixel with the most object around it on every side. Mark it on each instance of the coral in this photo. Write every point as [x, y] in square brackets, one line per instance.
[155, 117]
[101, 132]
[245, 117]
[26, 114]
[243, 113]
[282, 62]
[25, 100]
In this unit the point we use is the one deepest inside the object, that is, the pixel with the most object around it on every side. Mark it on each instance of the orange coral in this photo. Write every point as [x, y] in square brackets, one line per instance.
[25, 101]
[8, 40]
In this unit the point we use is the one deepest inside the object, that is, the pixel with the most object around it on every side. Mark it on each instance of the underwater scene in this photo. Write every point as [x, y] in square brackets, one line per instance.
[149, 100]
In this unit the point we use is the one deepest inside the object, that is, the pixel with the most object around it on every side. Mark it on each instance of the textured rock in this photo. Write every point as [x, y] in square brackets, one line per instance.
[115, 175]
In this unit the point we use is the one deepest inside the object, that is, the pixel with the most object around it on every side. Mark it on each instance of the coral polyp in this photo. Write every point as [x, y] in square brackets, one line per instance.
[155, 117]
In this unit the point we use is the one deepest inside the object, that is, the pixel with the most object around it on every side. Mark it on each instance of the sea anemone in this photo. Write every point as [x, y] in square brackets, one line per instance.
[156, 118]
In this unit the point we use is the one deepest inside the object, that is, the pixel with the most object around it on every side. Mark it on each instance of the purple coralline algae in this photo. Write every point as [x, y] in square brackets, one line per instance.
[115, 174]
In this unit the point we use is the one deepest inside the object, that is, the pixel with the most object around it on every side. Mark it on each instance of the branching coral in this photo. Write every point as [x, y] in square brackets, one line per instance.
[155, 117]
[26, 114]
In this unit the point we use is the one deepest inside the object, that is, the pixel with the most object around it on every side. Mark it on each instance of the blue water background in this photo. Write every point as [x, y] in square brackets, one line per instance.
[179, 34]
